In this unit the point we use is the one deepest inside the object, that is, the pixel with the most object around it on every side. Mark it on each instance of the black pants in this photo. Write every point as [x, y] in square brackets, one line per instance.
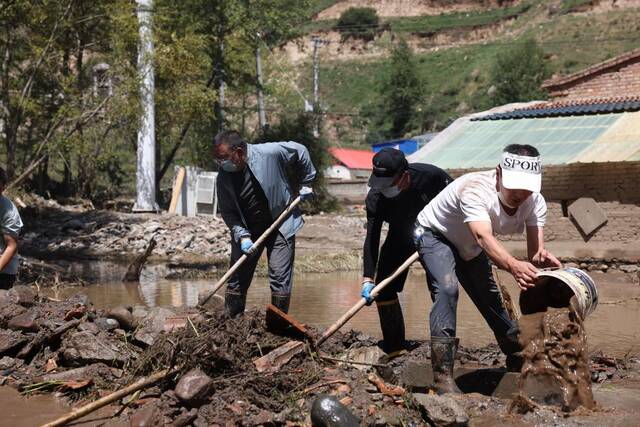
[7, 280]
[394, 252]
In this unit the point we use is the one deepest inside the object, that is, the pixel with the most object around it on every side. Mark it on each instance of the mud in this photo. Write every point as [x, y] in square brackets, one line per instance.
[556, 368]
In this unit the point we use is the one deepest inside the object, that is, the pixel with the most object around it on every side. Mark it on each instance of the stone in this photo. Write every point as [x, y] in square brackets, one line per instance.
[327, 411]
[587, 215]
[89, 372]
[210, 302]
[25, 322]
[441, 411]
[148, 415]
[124, 318]
[185, 418]
[10, 363]
[417, 374]
[79, 300]
[106, 324]
[22, 295]
[11, 342]
[193, 387]
[628, 268]
[370, 355]
[89, 327]
[152, 325]
[84, 347]
[263, 417]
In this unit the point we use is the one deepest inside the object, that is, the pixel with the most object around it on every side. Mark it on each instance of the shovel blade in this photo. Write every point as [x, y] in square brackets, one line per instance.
[281, 323]
[277, 358]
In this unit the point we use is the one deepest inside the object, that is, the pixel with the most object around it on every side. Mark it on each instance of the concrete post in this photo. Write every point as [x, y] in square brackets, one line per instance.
[146, 165]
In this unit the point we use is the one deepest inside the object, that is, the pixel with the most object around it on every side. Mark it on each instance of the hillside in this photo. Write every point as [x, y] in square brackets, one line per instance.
[455, 44]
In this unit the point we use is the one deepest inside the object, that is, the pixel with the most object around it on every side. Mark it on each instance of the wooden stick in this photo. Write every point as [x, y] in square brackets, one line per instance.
[374, 293]
[93, 406]
[177, 189]
[276, 224]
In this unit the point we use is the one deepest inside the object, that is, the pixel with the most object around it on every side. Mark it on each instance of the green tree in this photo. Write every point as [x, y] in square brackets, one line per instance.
[358, 22]
[396, 110]
[299, 128]
[517, 73]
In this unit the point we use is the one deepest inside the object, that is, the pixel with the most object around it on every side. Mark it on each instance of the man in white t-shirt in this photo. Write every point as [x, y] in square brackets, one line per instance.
[455, 237]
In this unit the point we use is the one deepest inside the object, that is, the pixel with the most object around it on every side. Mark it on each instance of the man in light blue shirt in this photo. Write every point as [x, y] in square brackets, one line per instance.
[11, 225]
[253, 190]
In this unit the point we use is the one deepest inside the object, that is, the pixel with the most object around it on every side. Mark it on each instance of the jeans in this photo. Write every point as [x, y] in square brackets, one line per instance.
[445, 271]
[280, 255]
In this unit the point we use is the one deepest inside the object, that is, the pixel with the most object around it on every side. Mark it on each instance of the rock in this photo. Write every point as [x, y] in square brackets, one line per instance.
[263, 418]
[124, 318]
[10, 363]
[211, 302]
[152, 325]
[441, 411]
[193, 388]
[89, 327]
[22, 295]
[368, 355]
[89, 372]
[185, 418]
[25, 322]
[84, 347]
[327, 411]
[11, 342]
[79, 300]
[148, 415]
[630, 268]
[106, 324]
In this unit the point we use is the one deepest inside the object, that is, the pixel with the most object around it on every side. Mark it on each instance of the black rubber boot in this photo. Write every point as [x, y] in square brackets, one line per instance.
[273, 323]
[392, 325]
[234, 303]
[443, 353]
[510, 345]
[281, 301]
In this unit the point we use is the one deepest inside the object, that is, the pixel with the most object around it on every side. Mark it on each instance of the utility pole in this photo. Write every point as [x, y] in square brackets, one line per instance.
[146, 155]
[262, 119]
[317, 42]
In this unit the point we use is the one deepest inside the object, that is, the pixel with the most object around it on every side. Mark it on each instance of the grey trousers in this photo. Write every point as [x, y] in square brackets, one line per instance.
[445, 271]
[280, 255]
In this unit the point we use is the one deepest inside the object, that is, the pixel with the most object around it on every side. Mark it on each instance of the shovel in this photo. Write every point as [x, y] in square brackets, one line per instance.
[276, 224]
[280, 356]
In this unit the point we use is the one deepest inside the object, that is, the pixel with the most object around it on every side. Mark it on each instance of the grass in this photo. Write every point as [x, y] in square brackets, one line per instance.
[433, 23]
[569, 6]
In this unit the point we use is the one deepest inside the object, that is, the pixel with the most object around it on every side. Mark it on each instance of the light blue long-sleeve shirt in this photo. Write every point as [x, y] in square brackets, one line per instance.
[269, 163]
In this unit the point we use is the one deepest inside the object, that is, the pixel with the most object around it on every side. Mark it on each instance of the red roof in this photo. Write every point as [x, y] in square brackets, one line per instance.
[353, 159]
[582, 101]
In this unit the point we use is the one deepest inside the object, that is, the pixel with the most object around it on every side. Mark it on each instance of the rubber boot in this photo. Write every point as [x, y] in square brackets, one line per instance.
[274, 324]
[443, 353]
[510, 345]
[392, 325]
[234, 303]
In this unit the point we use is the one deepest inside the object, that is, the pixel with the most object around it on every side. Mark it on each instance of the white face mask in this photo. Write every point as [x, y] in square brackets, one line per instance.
[391, 192]
[504, 201]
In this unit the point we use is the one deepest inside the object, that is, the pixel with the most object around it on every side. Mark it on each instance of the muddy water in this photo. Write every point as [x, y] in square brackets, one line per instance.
[320, 299]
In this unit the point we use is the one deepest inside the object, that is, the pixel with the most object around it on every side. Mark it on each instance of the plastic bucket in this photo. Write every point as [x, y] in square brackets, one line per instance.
[556, 287]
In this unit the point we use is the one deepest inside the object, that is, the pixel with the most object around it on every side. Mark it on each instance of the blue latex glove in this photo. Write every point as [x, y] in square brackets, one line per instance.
[306, 193]
[367, 287]
[245, 245]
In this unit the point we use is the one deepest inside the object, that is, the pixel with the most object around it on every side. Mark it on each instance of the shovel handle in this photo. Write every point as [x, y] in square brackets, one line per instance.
[358, 306]
[276, 224]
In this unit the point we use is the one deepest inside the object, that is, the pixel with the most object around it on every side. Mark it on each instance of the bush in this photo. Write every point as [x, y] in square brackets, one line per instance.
[359, 22]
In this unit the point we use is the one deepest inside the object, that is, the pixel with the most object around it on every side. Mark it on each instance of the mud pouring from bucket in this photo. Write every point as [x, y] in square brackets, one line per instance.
[556, 366]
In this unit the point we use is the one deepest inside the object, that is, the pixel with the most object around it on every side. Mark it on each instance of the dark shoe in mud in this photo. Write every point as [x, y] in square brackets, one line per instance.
[327, 411]
[392, 325]
[281, 302]
[443, 353]
[514, 362]
[234, 303]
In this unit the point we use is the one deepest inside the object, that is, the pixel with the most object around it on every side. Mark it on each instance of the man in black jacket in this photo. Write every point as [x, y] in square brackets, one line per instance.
[399, 191]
